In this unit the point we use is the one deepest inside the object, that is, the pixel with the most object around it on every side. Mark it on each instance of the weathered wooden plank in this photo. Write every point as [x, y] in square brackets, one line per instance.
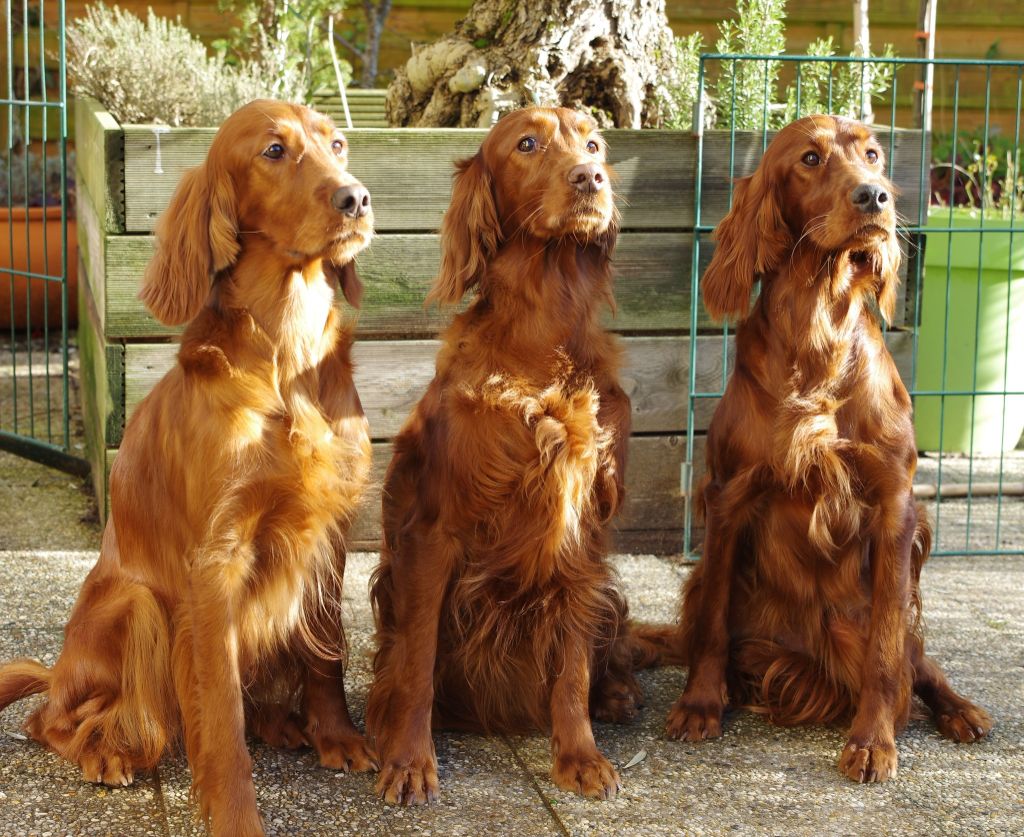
[651, 519]
[652, 287]
[391, 376]
[366, 107]
[92, 242]
[408, 172]
[655, 171]
[98, 162]
[100, 363]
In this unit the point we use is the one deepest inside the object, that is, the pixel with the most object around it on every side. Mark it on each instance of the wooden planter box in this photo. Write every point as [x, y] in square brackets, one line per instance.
[408, 171]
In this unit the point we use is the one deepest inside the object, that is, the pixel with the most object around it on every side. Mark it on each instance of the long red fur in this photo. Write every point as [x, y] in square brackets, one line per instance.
[215, 603]
[806, 603]
[496, 609]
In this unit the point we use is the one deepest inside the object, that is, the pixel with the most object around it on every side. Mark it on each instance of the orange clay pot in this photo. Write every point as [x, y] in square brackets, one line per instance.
[30, 241]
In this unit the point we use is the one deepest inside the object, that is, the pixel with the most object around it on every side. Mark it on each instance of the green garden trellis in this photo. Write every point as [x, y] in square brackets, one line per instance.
[35, 382]
[35, 379]
[954, 476]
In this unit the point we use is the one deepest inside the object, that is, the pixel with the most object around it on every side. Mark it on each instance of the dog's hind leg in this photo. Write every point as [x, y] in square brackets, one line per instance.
[329, 726]
[955, 716]
[107, 708]
[616, 695]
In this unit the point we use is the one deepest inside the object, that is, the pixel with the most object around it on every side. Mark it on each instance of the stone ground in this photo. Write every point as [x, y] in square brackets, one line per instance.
[757, 779]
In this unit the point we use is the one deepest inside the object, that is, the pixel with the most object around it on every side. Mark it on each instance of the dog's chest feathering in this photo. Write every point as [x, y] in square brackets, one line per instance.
[549, 451]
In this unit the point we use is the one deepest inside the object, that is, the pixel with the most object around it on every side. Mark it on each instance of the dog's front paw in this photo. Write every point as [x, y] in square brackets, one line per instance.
[344, 751]
[617, 700]
[864, 761]
[691, 719]
[588, 774]
[278, 727]
[106, 768]
[408, 782]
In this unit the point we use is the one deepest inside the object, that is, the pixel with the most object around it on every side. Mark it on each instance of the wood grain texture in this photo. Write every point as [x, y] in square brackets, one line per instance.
[652, 286]
[92, 245]
[99, 156]
[99, 363]
[651, 519]
[655, 169]
[391, 376]
[400, 164]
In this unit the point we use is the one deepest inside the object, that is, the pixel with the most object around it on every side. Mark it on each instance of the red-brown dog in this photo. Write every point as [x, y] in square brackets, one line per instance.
[216, 599]
[806, 603]
[496, 609]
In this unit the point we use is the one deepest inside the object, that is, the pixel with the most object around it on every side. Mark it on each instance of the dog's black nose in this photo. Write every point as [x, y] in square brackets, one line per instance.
[353, 201]
[587, 177]
[869, 198]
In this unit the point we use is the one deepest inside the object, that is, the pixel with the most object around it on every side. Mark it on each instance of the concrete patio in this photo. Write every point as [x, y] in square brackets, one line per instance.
[758, 779]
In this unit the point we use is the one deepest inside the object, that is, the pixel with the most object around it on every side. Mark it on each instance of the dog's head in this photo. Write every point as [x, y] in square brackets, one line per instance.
[540, 173]
[821, 184]
[276, 171]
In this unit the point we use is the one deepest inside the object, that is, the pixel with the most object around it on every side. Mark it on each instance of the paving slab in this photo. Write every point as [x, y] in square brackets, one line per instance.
[757, 779]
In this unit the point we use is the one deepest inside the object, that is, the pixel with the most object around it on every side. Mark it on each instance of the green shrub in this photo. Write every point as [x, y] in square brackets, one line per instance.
[157, 71]
[745, 93]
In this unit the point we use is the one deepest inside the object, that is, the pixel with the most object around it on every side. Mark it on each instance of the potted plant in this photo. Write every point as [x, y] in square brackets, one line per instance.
[31, 240]
[971, 335]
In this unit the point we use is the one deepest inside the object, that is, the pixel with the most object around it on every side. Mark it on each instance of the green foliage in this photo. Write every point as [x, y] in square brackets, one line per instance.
[286, 41]
[745, 93]
[843, 88]
[156, 71]
[744, 90]
[681, 94]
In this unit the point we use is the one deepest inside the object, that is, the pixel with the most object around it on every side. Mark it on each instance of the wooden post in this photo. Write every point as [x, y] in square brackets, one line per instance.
[862, 47]
[925, 49]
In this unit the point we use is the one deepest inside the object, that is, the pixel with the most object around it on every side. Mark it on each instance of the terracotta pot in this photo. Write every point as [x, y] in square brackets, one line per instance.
[30, 242]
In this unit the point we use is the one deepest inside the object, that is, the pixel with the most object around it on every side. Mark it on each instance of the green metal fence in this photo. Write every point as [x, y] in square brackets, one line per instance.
[959, 341]
[35, 307]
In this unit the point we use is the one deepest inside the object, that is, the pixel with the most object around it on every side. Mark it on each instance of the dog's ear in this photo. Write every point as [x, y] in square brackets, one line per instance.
[348, 280]
[196, 236]
[751, 239]
[470, 232]
[887, 267]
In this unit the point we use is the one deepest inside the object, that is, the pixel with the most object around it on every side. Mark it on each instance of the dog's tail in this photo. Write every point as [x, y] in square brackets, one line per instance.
[656, 645]
[789, 686]
[22, 678]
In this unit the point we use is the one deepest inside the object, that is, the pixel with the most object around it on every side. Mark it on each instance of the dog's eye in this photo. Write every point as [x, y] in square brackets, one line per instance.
[527, 144]
[811, 158]
[338, 147]
[275, 151]
[593, 147]
[872, 156]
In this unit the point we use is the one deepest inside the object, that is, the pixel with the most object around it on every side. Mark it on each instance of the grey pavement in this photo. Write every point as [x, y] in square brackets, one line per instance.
[757, 779]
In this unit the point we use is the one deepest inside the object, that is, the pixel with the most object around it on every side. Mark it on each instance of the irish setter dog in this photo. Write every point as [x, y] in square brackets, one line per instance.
[806, 603]
[496, 610]
[215, 604]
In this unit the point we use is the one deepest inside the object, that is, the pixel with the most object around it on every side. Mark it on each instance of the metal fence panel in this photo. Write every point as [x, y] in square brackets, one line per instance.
[34, 295]
[964, 246]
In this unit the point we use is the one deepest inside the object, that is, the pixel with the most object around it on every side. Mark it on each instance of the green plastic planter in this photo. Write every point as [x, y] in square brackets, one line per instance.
[982, 342]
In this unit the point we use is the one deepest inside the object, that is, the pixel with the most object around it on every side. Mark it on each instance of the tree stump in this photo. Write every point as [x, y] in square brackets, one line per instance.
[611, 58]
